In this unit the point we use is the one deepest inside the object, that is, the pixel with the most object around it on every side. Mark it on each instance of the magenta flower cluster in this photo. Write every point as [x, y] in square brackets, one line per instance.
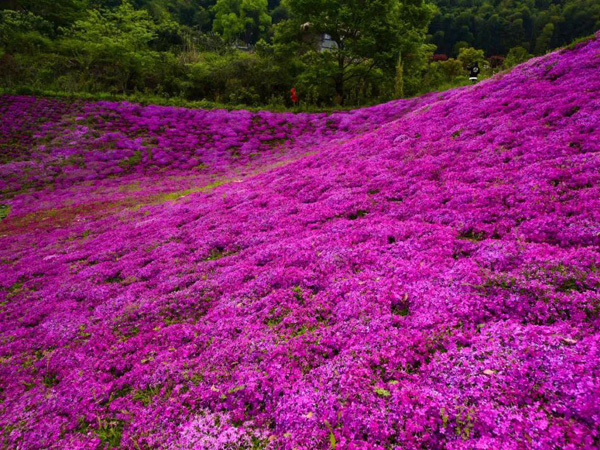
[419, 275]
[60, 145]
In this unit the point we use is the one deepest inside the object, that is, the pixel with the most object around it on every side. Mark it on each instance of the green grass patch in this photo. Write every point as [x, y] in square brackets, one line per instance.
[110, 433]
[4, 211]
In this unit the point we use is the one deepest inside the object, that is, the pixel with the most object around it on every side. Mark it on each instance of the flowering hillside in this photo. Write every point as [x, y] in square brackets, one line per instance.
[419, 275]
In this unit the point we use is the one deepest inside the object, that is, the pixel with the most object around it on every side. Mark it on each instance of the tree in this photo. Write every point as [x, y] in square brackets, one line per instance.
[498, 25]
[24, 37]
[245, 19]
[111, 45]
[367, 35]
[415, 62]
[470, 56]
[23, 32]
[60, 12]
[279, 14]
[516, 55]
[542, 43]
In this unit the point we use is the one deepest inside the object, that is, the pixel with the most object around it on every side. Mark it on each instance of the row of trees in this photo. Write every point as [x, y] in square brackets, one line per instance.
[496, 26]
[127, 47]
[233, 51]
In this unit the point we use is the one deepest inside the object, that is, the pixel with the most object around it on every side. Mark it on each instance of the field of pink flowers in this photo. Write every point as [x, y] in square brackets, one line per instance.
[422, 274]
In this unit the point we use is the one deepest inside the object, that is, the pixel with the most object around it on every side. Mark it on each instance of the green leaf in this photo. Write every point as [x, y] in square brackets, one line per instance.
[332, 440]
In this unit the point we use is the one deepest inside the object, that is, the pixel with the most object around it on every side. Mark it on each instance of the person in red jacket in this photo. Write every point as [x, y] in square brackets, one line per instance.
[294, 96]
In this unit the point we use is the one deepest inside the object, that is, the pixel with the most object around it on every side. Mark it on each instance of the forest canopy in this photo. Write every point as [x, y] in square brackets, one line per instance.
[252, 52]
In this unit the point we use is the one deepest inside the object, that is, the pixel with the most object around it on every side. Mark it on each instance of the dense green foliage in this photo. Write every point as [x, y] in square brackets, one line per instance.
[363, 40]
[496, 26]
[252, 52]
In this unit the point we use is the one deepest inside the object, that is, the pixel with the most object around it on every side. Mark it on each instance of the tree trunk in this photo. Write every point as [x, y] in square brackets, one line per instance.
[399, 78]
[339, 81]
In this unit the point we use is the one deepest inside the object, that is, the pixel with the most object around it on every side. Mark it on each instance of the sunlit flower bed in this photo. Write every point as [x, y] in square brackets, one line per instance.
[419, 275]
